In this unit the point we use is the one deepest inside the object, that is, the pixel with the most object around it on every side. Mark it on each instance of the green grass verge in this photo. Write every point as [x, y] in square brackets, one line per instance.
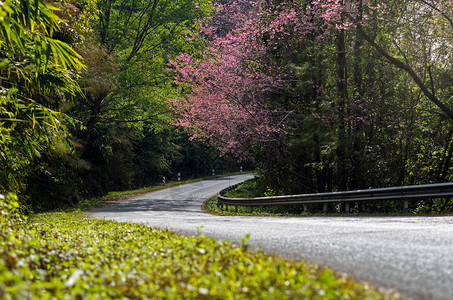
[248, 189]
[212, 206]
[63, 255]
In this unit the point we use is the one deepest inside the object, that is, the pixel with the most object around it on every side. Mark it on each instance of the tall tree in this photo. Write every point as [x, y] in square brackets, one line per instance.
[137, 38]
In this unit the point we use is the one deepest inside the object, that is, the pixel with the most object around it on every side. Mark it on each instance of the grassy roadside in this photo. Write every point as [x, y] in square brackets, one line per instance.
[212, 206]
[63, 255]
[248, 190]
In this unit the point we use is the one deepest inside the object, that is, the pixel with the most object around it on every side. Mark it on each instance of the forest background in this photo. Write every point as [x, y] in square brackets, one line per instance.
[317, 95]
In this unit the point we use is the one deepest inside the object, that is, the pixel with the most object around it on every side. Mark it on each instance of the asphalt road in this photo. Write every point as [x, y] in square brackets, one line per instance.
[413, 255]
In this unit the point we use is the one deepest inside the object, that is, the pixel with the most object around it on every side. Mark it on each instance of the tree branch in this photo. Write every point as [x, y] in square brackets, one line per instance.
[398, 63]
[450, 20]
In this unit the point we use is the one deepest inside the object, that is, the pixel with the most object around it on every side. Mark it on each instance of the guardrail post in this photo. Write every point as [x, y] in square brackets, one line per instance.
[346, 207]
[406, 206]
[236, 208]
[251, 209]
[305, 208]
[226, 206]
[324, 208]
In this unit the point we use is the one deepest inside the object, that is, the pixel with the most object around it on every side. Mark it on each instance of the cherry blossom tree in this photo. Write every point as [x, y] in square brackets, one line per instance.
[230, 85]
[330, 88]
[234, 82]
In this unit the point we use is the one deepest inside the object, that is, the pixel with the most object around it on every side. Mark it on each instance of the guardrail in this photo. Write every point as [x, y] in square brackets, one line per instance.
[403, 193]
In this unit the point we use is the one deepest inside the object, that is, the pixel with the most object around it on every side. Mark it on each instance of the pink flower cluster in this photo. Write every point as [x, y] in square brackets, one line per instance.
[229, 87]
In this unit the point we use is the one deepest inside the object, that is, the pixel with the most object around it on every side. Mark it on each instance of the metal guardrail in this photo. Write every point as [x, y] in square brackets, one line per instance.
[403, 193]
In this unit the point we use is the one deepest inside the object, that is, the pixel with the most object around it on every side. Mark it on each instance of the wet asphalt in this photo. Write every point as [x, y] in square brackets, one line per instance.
[412, 255]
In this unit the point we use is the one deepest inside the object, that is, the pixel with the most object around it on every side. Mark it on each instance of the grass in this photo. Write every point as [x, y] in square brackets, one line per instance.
[214, 207]
[248, 189]
[63, 255]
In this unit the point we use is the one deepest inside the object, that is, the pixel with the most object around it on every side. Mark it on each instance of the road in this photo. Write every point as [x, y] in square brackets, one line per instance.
[413, 255]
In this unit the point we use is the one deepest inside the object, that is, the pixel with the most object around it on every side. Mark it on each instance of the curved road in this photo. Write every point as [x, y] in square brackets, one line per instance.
[413, 255]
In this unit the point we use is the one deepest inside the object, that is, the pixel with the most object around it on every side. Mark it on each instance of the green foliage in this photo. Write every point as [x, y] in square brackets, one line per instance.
[37, 72]
[68, 256]
[127, 84]
[357, 120]
[124, 139]
[248, 189]
[244, 241]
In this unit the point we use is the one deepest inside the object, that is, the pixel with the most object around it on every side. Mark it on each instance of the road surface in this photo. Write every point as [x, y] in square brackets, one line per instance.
[413, 255]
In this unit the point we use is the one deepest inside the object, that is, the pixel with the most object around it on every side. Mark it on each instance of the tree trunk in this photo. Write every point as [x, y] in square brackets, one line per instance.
[342, 109]
[104, 20]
